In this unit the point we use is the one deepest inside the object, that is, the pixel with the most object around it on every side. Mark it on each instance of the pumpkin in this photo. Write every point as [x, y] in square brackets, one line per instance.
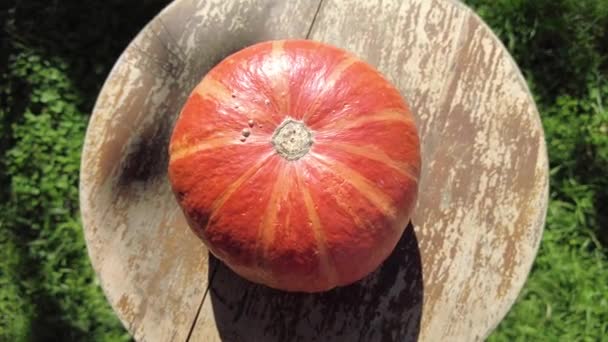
[297, 164]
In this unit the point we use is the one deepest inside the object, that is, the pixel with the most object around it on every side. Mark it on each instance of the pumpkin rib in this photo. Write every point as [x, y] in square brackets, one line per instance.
[231, 189]
[362, 184]
[404, 168]
[280, 81]
[388, 115]
[270, 218]
[327, 265]
[183, 151]
[278, 49]
[330, 82]
[212, 89]
[341, 201]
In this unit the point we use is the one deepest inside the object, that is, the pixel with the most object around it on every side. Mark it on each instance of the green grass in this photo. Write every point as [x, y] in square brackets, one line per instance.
[55, 55]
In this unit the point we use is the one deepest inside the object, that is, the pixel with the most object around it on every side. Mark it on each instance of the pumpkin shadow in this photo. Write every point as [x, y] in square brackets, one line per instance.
[384, 306]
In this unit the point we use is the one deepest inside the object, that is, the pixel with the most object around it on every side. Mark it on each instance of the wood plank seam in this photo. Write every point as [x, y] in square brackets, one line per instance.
[200, 306]
[314, 19]
[179, 52]
[169, 69]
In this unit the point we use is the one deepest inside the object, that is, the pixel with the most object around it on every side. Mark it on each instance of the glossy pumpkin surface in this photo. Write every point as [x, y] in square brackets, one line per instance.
[297, 165]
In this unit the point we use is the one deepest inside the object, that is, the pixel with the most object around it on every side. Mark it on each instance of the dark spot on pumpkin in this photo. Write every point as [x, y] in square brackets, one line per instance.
[180, 196]
[198, 220]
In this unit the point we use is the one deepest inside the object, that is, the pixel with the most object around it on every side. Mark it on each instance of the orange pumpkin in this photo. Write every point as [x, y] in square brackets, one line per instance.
[296, 164]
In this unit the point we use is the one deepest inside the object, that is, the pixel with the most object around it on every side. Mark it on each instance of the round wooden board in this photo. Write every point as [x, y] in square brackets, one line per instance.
[483, 192]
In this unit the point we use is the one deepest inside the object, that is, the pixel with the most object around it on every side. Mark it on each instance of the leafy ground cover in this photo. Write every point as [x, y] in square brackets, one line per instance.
[54, 56]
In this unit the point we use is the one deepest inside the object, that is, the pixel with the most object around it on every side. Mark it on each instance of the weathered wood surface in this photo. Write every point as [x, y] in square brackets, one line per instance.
[484, 186]
[481, 208]
[152, 268]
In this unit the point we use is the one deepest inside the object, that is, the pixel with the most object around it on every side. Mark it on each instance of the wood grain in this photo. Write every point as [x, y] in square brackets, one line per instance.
[481, 209]
[151, 267]
[137, 238]
[484, 183]
[483, 190]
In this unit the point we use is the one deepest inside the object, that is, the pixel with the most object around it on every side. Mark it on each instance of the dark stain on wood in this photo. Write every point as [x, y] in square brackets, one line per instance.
[147, 159]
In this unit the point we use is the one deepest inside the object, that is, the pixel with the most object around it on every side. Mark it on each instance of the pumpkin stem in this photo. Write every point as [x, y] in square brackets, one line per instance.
[292, 139]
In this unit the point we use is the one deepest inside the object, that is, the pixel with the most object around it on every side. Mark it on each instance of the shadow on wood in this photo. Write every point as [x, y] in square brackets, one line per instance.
[384, 306]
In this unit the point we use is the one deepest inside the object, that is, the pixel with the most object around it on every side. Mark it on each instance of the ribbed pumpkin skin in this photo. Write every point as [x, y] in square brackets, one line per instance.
[310, 224]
